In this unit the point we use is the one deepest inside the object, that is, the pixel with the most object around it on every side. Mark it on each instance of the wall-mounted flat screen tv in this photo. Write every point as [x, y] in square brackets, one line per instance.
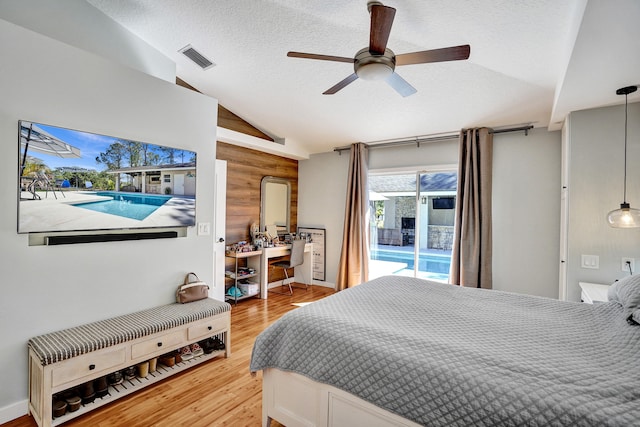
[444, 202]
[69, 180]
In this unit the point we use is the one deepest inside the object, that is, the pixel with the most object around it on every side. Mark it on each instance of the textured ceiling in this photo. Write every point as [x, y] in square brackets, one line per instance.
[523, 68]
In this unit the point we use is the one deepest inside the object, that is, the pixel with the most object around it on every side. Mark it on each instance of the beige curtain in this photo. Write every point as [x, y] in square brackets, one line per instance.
[354, 259]
[471, 255]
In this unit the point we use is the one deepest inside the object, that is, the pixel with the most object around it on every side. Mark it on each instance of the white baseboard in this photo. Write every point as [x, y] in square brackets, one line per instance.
[13, 411]
[275, 284]
[278, 283]
[325, 284]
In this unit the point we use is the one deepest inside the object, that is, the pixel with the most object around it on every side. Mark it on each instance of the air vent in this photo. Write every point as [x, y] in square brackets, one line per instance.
[196, 57]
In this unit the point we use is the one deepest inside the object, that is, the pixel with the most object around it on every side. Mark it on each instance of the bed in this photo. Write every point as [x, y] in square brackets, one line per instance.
[404, 351]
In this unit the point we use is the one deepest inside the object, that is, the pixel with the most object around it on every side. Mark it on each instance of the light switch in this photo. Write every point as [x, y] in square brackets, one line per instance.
[590, 261]
[204, 228]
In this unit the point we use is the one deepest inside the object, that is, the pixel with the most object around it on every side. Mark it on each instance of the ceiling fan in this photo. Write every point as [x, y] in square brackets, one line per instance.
[376, 62]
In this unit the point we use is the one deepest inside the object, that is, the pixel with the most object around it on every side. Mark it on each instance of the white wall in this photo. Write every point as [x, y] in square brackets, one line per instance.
[595, 181]
[429, 154]
[526, 185]
[526, 212]
[46, 288]
[322, 195]
[79, 24]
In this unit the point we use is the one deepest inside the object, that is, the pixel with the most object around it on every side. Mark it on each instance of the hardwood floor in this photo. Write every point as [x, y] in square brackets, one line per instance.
[220, 392]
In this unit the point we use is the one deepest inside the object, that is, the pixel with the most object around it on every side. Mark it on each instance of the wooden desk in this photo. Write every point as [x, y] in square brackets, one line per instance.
[303, 273]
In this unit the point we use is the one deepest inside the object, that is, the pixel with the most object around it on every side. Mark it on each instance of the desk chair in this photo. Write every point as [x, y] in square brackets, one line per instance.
[296, 259]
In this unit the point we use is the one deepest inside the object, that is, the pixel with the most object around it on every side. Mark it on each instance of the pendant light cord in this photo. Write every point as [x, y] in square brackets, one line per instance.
[624, 196]
[625, 217]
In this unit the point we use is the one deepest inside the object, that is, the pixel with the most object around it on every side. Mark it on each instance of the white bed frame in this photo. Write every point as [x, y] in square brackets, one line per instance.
[296, 401]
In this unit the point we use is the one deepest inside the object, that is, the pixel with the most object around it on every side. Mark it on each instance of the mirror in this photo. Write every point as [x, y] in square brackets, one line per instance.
[275, 203]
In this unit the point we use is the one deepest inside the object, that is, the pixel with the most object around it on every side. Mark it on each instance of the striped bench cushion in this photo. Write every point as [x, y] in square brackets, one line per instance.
[68, 343]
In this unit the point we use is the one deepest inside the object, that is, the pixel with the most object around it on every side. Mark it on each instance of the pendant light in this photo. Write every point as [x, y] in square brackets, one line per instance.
[625, 217]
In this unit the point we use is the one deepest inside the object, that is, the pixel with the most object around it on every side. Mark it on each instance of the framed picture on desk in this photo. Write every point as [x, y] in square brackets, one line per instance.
[317, 237]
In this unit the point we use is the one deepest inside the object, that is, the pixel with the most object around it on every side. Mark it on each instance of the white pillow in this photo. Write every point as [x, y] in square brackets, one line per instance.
[627, 292]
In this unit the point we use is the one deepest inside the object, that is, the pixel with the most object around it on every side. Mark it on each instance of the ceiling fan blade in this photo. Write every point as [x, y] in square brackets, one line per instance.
[454, 53]
[321, 57]
[400, 85]
[353, 77]
[381, 21]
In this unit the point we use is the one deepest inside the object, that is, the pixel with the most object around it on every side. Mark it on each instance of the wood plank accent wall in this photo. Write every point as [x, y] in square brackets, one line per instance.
[245, 170]
[228, 120]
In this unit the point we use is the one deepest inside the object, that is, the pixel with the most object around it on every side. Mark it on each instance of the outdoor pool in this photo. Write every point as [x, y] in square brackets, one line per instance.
[134, 206]
[430, 266]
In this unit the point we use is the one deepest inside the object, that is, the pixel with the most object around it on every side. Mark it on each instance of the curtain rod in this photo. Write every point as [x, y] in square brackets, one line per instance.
[418, 140]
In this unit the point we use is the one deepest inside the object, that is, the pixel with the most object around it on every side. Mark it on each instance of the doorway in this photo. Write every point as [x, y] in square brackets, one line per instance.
[412, 223]
[178, 184]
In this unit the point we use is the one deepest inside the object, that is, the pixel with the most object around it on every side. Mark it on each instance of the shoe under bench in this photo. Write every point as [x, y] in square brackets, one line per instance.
[61, 360]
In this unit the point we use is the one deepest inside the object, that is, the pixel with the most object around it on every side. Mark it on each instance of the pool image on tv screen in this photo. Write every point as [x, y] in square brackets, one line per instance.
[70, 180]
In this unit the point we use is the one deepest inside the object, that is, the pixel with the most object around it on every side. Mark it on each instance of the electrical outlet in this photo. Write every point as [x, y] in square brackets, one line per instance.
[628, 265]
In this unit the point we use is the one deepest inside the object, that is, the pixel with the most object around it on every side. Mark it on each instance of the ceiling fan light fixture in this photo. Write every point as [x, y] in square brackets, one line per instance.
[625, 217]
[368, 66]
[374, 71]
[377, 62]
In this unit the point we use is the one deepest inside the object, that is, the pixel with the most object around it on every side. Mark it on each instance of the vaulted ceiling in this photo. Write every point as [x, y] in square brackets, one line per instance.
[531, 62]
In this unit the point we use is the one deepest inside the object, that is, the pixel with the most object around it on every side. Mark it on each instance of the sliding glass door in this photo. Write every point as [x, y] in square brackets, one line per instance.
[411, 226]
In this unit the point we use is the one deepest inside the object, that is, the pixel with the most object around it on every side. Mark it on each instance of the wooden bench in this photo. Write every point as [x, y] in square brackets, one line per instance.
[61, 360]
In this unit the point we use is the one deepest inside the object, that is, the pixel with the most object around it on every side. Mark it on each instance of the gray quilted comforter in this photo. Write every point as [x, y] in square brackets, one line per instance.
[442, 355]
